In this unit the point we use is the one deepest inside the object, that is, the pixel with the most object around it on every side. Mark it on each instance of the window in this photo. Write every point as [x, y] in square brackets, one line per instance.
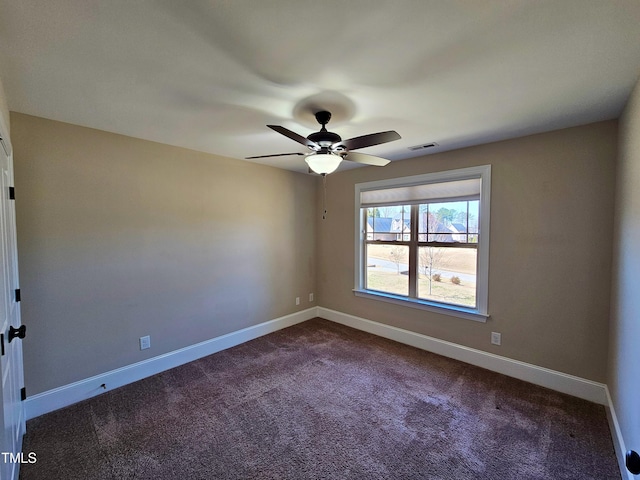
[423, 241]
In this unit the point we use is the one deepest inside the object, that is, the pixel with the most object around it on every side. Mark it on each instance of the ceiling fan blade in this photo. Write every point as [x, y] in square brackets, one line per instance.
[366, 159]
[274, 155]
[294, 136]
[367, 140]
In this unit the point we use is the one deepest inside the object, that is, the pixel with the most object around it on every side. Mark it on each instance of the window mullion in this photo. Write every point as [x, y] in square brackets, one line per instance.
[413, 253]
[466, 228]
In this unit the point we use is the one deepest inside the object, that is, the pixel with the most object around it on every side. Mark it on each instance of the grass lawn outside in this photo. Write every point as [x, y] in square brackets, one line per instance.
[390, 275]
[462, 260]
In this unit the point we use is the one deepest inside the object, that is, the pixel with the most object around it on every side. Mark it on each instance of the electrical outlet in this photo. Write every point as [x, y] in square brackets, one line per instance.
[297, 300]
[311, 297]
[496, 338]
[145, 342]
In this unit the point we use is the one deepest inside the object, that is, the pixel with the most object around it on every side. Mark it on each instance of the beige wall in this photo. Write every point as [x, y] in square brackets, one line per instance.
[550, 253]
[120, 238]
[4, 109]
[624, 356]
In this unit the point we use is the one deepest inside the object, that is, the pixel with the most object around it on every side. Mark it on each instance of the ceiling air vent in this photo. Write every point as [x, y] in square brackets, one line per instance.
[423, 146]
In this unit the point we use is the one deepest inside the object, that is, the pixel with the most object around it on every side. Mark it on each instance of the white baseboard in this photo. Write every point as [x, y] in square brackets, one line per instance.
[616, 436]
[60, 397]
[561, 382]
[66, 395]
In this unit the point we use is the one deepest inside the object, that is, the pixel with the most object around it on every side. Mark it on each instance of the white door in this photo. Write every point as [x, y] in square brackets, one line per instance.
[12, 418]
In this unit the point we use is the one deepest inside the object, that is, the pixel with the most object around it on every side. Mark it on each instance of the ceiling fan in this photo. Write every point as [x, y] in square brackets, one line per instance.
[328, 149]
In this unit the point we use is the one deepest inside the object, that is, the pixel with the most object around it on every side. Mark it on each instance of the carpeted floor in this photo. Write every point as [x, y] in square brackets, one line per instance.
[323, 401]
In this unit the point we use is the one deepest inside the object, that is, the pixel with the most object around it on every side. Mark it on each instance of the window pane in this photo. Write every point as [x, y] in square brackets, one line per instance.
[446, 237]
[388, 268]
[448, 222]
[447, 274]
[474, 215]
[389, 223]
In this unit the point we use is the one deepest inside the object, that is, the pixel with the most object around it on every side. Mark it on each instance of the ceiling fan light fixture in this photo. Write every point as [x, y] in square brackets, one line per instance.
[323, 163]
[329, 149]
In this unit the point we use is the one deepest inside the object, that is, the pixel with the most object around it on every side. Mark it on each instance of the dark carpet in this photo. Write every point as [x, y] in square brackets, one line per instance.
[324, 401]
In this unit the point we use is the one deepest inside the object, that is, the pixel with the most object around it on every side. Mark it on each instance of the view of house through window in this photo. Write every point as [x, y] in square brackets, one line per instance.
[422, 239]
[447, 240]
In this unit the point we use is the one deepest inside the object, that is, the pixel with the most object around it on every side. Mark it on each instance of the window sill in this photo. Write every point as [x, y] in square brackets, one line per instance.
[452, 310]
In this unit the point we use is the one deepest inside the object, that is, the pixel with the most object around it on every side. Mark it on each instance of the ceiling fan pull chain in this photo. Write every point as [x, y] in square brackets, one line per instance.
[324, 196]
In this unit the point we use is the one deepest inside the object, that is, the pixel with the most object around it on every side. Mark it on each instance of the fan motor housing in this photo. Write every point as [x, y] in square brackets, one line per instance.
[324, 138]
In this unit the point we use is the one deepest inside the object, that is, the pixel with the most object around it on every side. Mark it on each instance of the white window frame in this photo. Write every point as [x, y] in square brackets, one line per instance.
[481, 312]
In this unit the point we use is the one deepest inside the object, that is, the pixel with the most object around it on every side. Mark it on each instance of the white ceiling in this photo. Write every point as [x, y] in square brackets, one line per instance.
[209, 75]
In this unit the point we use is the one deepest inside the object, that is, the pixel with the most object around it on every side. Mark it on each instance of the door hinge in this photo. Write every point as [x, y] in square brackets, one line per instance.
[23, 394]
[17, 294]
[12, 193]
[2, 342]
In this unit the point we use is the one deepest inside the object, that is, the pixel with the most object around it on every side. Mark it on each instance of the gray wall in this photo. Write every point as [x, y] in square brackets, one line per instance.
[120, 238]
[624, 356]
[550, 254]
